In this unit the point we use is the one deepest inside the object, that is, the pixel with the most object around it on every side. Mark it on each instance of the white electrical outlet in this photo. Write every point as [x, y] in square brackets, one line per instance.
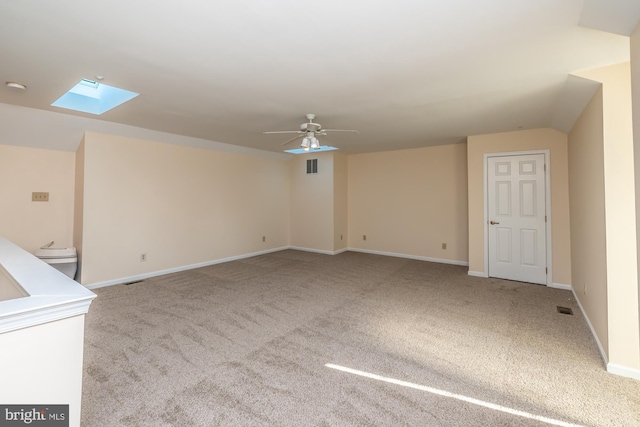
[40, 196]
[143, 257]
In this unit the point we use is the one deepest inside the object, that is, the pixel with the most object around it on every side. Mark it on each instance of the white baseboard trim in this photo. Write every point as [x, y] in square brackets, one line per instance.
[560, 286]
[593, 331]
[317, 251]
[143, 276]
[419, 258]
[477, 274]
[623, 371]
[178, 269]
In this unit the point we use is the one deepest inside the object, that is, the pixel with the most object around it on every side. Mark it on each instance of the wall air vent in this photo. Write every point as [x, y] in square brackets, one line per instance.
[312, 166]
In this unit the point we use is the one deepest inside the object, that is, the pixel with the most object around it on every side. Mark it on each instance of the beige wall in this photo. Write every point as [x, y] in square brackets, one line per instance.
[527, 140]
[622, 270]
[623, 349]
[312, 204]
[31, 224]
[340, 201]
[635, 94]
[78, 200]
[409, 202]
[588, 227]
[178, 205]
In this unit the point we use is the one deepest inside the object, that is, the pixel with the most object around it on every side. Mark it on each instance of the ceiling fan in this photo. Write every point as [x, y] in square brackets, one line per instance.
[309, 132]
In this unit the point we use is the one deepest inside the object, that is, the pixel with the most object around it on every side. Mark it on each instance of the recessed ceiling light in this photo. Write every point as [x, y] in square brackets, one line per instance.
[16, 85]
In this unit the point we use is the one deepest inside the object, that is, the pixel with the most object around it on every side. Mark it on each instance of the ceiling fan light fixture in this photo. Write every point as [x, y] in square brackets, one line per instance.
[309, 133]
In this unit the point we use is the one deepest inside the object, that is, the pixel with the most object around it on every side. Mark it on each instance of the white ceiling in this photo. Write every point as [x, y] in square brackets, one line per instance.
[406, 73]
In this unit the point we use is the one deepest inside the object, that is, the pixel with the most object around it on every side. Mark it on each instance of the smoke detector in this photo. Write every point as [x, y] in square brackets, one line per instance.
[16, 85]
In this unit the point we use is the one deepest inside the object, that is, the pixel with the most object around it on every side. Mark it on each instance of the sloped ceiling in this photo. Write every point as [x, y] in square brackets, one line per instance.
[404, 73]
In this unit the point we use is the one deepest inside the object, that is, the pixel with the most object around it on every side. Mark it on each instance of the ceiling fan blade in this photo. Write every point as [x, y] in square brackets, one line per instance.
[283, 131]
[292, 139]
[342, 130]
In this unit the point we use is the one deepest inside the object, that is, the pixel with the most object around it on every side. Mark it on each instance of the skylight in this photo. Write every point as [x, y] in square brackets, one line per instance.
[93, 97]
[303, 151]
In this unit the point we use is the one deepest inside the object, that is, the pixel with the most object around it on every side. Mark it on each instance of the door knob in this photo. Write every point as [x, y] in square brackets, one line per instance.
[493, 223]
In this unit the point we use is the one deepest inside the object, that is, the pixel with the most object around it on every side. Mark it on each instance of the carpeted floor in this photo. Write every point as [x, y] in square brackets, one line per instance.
[248, 343]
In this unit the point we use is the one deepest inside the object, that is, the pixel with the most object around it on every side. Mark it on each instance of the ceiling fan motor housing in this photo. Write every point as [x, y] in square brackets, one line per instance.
[310, 127]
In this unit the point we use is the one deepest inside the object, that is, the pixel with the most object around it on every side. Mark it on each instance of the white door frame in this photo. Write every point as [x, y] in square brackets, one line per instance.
[547, 178]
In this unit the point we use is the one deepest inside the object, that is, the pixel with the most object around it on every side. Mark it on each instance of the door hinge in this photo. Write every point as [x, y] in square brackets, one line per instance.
[545, 167]
[545, 218]
[546, 270]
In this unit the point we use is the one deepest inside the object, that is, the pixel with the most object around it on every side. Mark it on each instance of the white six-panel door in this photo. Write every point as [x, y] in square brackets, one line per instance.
[516, 218]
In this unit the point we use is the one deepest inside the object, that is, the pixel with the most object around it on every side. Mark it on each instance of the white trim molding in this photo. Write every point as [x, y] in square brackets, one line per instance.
[623, 371]
[317, 251]
[478, 274]
[138, 277]
[48, 295]
[416, 257]
[143, 276]
[603, 353]
[560, 286]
